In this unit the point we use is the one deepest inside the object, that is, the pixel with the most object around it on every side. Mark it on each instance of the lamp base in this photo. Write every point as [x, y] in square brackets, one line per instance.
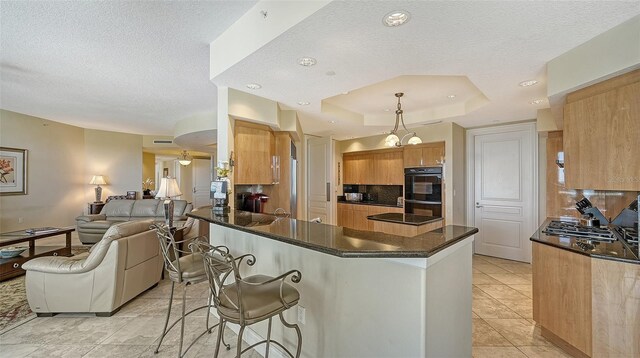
[98, 194]
[168, 212]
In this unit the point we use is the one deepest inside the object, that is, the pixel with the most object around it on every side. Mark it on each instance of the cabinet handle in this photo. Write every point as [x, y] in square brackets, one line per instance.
[15, 266]
[328, 193]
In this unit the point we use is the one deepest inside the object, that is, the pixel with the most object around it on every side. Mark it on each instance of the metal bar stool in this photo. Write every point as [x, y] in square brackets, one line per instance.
[186, 268]
[249, 300]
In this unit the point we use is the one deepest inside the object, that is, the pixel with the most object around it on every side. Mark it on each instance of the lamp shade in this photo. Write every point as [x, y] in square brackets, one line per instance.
[391, 140]
[98, 180]
[168, 188]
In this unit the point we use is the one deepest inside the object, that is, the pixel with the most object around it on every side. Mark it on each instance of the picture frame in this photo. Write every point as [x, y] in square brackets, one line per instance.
[13, 171]
[132, 194]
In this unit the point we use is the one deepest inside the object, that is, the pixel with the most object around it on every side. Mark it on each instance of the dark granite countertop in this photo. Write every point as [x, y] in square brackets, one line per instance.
[374, 203]
[616, 250]
[336, 240]
[406, 219]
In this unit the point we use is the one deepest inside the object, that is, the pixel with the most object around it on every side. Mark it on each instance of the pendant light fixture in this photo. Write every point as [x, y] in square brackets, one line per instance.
[184, 158]
[392, 139]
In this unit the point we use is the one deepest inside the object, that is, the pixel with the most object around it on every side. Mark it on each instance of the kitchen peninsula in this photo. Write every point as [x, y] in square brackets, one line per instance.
[363, 293]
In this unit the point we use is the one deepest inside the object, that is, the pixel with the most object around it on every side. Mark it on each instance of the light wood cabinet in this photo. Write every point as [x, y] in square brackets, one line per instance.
[562, 294]
[354, 216]
[254, 148]
[388, 168]
[588, 306]
[358, 168]
[424, 155]
[600, 133]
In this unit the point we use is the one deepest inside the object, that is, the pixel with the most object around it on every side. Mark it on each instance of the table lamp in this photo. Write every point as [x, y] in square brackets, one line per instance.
[98, 180]
[168, 189]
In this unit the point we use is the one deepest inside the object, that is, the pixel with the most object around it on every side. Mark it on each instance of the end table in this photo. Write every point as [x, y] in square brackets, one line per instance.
[95, 208]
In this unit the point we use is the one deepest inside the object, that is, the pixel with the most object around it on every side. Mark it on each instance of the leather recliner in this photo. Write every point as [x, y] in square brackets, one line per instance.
[126, 262]
[91, 228]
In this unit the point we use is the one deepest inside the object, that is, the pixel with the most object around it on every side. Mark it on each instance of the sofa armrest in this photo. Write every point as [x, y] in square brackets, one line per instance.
[58, 264]
[93, 217]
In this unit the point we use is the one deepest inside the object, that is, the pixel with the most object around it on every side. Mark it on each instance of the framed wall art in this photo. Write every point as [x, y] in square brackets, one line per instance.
[13, 171]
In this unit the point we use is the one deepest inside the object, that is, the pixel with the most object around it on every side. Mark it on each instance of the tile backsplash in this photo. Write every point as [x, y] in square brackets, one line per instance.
[383, 194]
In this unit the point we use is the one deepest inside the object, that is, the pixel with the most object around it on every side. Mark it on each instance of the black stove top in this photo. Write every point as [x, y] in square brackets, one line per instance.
[630, 235]
[573, 229]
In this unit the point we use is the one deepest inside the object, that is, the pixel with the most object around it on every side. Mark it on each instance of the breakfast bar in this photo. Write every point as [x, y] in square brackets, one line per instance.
[394, 296]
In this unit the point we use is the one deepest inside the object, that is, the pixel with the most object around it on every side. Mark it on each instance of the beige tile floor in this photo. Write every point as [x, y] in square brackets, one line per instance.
[502, 323]
[132, 332]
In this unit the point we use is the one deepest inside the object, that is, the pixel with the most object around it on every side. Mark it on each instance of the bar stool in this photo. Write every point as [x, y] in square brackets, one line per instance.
[249, 300]
[185, 268]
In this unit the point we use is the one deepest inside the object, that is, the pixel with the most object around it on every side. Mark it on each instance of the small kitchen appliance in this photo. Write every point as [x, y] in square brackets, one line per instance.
[255, 202]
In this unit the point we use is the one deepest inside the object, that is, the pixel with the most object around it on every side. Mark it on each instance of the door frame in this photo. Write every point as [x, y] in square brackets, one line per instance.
[470, 166]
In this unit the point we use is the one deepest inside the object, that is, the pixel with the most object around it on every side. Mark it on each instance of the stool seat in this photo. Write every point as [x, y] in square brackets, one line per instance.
[191, 268]
[258, 301]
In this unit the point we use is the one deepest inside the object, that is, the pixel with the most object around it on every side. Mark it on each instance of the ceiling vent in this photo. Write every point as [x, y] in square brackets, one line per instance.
[162, 141]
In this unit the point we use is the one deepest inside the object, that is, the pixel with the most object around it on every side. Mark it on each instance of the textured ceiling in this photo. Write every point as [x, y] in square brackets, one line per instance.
[134, 66]
[495, 44]
[140, 67]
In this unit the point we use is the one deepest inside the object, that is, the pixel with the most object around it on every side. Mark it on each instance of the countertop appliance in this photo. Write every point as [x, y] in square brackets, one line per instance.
[585, 208]
[423, 191]
[353, 197]
[574, 229]
[255, 202]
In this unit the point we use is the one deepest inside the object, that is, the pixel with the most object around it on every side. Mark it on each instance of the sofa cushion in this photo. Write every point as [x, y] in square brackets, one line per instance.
[118, 208]
[145, 208]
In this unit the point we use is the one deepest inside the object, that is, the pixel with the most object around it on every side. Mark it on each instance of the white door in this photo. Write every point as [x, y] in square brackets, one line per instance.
[318, 179]
[201, 182]
[504, 182]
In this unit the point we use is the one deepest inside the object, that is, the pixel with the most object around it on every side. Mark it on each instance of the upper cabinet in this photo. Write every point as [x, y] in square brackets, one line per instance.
[388, 168]
[254, 148]
[424, 155]
[601, 135]
[358, 168]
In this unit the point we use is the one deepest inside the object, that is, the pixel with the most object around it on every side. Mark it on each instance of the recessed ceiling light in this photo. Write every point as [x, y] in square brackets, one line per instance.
[304, 103]
[332, 122]
[387, 109]
[307, 61]
[254, 86]
[527, 83]
[536, 101]
[396, 18]
[451, 96]
[330, 73]
[345, 92]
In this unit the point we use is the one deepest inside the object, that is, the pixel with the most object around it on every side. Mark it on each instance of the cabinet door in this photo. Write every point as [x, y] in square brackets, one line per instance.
[433, 155]
[254, 148]
[360, 213]
[412, 157]
[388, 168]
[365, 169]
[349, 167]
[600, 140]
[341, 214]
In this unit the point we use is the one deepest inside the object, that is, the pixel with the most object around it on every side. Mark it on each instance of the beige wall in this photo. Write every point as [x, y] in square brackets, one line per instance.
[453, 136]
[149, 168]
[117, 156]
[62, 159]
[55, 167]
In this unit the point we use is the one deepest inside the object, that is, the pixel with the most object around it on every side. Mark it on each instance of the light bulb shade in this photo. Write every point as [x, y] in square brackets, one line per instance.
[184, 158]
[414, 140]
[98, 180]
[168, 188]
[391, 140]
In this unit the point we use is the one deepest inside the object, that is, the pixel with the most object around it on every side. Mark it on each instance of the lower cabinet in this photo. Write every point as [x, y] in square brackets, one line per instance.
[587, 306]
[354, 216]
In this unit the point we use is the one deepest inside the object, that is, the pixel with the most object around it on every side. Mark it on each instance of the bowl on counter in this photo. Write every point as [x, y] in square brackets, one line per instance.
[12, 251]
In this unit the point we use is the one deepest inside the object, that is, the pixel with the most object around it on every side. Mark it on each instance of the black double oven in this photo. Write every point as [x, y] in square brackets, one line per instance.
[423, 191]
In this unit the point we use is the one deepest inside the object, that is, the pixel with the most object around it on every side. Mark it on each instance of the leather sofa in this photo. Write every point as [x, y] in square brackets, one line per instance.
[126, 262]
[91, 228]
